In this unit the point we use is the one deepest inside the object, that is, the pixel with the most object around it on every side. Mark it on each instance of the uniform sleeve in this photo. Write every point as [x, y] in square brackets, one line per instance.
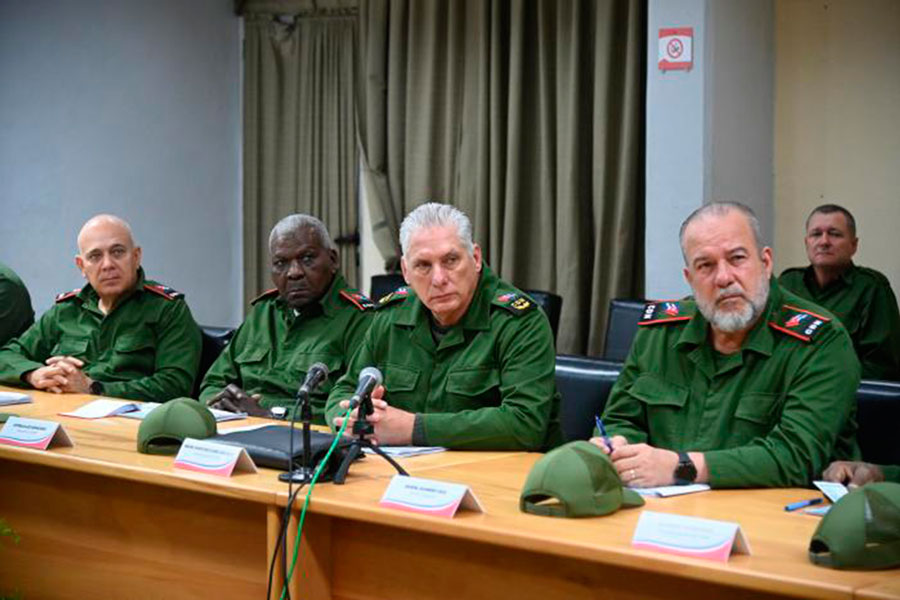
[878, 340]
[16, 314]
[623, 415]
[343, 389]
[527, 364]
[224, 369]
[177, 358]
[29, 351]
[819, 406]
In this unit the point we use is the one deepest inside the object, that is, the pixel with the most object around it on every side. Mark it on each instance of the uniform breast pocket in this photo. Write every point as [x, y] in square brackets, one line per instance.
[136, 354]
[302, 362]
[754, 416]
[400, 384]
[663, 404]
[472, 388]
[71, 346]
[252, 363]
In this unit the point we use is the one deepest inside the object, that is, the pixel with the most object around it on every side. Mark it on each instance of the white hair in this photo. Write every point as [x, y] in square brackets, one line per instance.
[435, 214]
[294, 223]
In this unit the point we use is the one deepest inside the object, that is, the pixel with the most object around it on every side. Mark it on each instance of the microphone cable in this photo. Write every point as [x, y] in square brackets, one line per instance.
[289, 573]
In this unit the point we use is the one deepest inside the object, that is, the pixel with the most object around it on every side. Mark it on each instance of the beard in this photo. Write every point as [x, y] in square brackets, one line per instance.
[731, 321]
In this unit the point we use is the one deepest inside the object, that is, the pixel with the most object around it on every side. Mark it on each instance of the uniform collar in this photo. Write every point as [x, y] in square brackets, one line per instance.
[88, 295]
[477, 315]
[760, 339]
[326, 305]
[846, 279]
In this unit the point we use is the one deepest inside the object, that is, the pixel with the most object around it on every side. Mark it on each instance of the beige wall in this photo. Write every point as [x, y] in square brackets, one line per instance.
[837, 123]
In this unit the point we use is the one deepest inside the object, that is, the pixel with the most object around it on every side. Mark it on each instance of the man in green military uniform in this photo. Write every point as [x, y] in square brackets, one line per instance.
[120, 335]
[16, 314]
[311, 316]
[747, 386]
[860, 297]
[468, 360]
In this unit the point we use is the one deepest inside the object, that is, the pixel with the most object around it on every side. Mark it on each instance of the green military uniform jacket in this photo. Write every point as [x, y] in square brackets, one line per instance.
[770, 415]
[274, 347]
[488, 385]
[16, 314]
[864, 302]
[146, 348]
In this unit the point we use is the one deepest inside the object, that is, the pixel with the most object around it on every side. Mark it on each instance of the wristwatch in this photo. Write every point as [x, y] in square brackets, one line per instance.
[96, 388]
[686, 471]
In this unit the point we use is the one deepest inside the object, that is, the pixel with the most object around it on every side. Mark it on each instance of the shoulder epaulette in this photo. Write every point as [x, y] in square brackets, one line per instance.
[357, 299]
[67, 295]
[163, 290]
[265, 294]
[515, 302]
[798, 322]
[665, 311]
[398, 295]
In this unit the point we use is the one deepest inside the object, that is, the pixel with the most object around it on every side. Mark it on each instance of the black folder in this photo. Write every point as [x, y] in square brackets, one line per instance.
[269, 446]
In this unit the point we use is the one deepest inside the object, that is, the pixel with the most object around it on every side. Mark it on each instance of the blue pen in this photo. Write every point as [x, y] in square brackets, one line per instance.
[802, 504]
[603, 434]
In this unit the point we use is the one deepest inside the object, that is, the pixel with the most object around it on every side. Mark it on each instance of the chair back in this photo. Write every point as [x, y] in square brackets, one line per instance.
[584, 384]
[214, 340]
[621, 327]
[551, 304]
[878, 417]
[384, 284]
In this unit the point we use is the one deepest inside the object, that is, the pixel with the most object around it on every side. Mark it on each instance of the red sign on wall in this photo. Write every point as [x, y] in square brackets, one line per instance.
[676, 48]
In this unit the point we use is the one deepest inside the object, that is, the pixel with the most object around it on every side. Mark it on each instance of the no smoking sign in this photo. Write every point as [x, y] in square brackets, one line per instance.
[676, 48]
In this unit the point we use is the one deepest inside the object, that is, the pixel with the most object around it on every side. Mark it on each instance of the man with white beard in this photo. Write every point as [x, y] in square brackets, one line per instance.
[746, 385]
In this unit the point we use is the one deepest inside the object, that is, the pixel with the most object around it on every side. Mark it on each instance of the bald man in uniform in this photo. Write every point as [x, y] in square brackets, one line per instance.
[120, 335]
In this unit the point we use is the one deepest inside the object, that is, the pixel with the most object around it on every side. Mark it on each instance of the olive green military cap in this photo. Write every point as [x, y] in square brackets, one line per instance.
[167, 425]
[575, 480]
[861, 531]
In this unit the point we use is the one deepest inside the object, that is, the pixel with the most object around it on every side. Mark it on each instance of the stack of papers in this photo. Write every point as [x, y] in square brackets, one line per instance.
[666, 491]
[10, 398]
[406, 451]
[108, 407]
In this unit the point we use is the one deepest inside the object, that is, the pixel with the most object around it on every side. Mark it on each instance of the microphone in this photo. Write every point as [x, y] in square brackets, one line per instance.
[368, 379]
[316, 374]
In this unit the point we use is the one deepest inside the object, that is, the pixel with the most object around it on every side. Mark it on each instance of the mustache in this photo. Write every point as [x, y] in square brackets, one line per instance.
[731, 290]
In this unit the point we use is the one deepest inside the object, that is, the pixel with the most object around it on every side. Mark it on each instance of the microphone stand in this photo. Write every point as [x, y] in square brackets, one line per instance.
[304, 473]
[362, 428]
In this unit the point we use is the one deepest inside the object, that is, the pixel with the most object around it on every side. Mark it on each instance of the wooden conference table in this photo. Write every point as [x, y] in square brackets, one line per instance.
[101, 520]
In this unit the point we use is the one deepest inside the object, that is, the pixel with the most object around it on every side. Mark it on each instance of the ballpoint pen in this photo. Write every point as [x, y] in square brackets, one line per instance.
[802, 504]
[603, 433]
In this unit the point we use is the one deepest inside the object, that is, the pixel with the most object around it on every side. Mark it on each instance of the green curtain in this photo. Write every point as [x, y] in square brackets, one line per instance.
[300, 148]
[526, 115]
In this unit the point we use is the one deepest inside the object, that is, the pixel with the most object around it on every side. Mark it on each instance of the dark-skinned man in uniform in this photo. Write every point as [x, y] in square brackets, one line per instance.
[747, 385]
[16, 314]
[120, 335]
[468, 360]
[860, 297]
[311, 316]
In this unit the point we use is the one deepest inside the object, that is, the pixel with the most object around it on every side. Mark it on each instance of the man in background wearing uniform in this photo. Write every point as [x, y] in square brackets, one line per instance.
[311, 316]
[860, 297]
[468, 360]
[747, 386]
[16, 314]
[120, 335]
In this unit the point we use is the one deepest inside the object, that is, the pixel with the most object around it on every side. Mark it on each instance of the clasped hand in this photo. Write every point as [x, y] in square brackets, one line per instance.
[393, 427]
[62, 374]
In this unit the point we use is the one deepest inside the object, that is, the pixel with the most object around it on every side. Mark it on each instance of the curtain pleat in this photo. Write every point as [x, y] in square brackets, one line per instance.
[300, 148]
[526, 115]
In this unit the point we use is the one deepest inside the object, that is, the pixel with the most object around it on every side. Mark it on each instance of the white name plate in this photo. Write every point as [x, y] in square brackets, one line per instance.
[216, 459]
[689, 536]
[34, 433]
[429, 497]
